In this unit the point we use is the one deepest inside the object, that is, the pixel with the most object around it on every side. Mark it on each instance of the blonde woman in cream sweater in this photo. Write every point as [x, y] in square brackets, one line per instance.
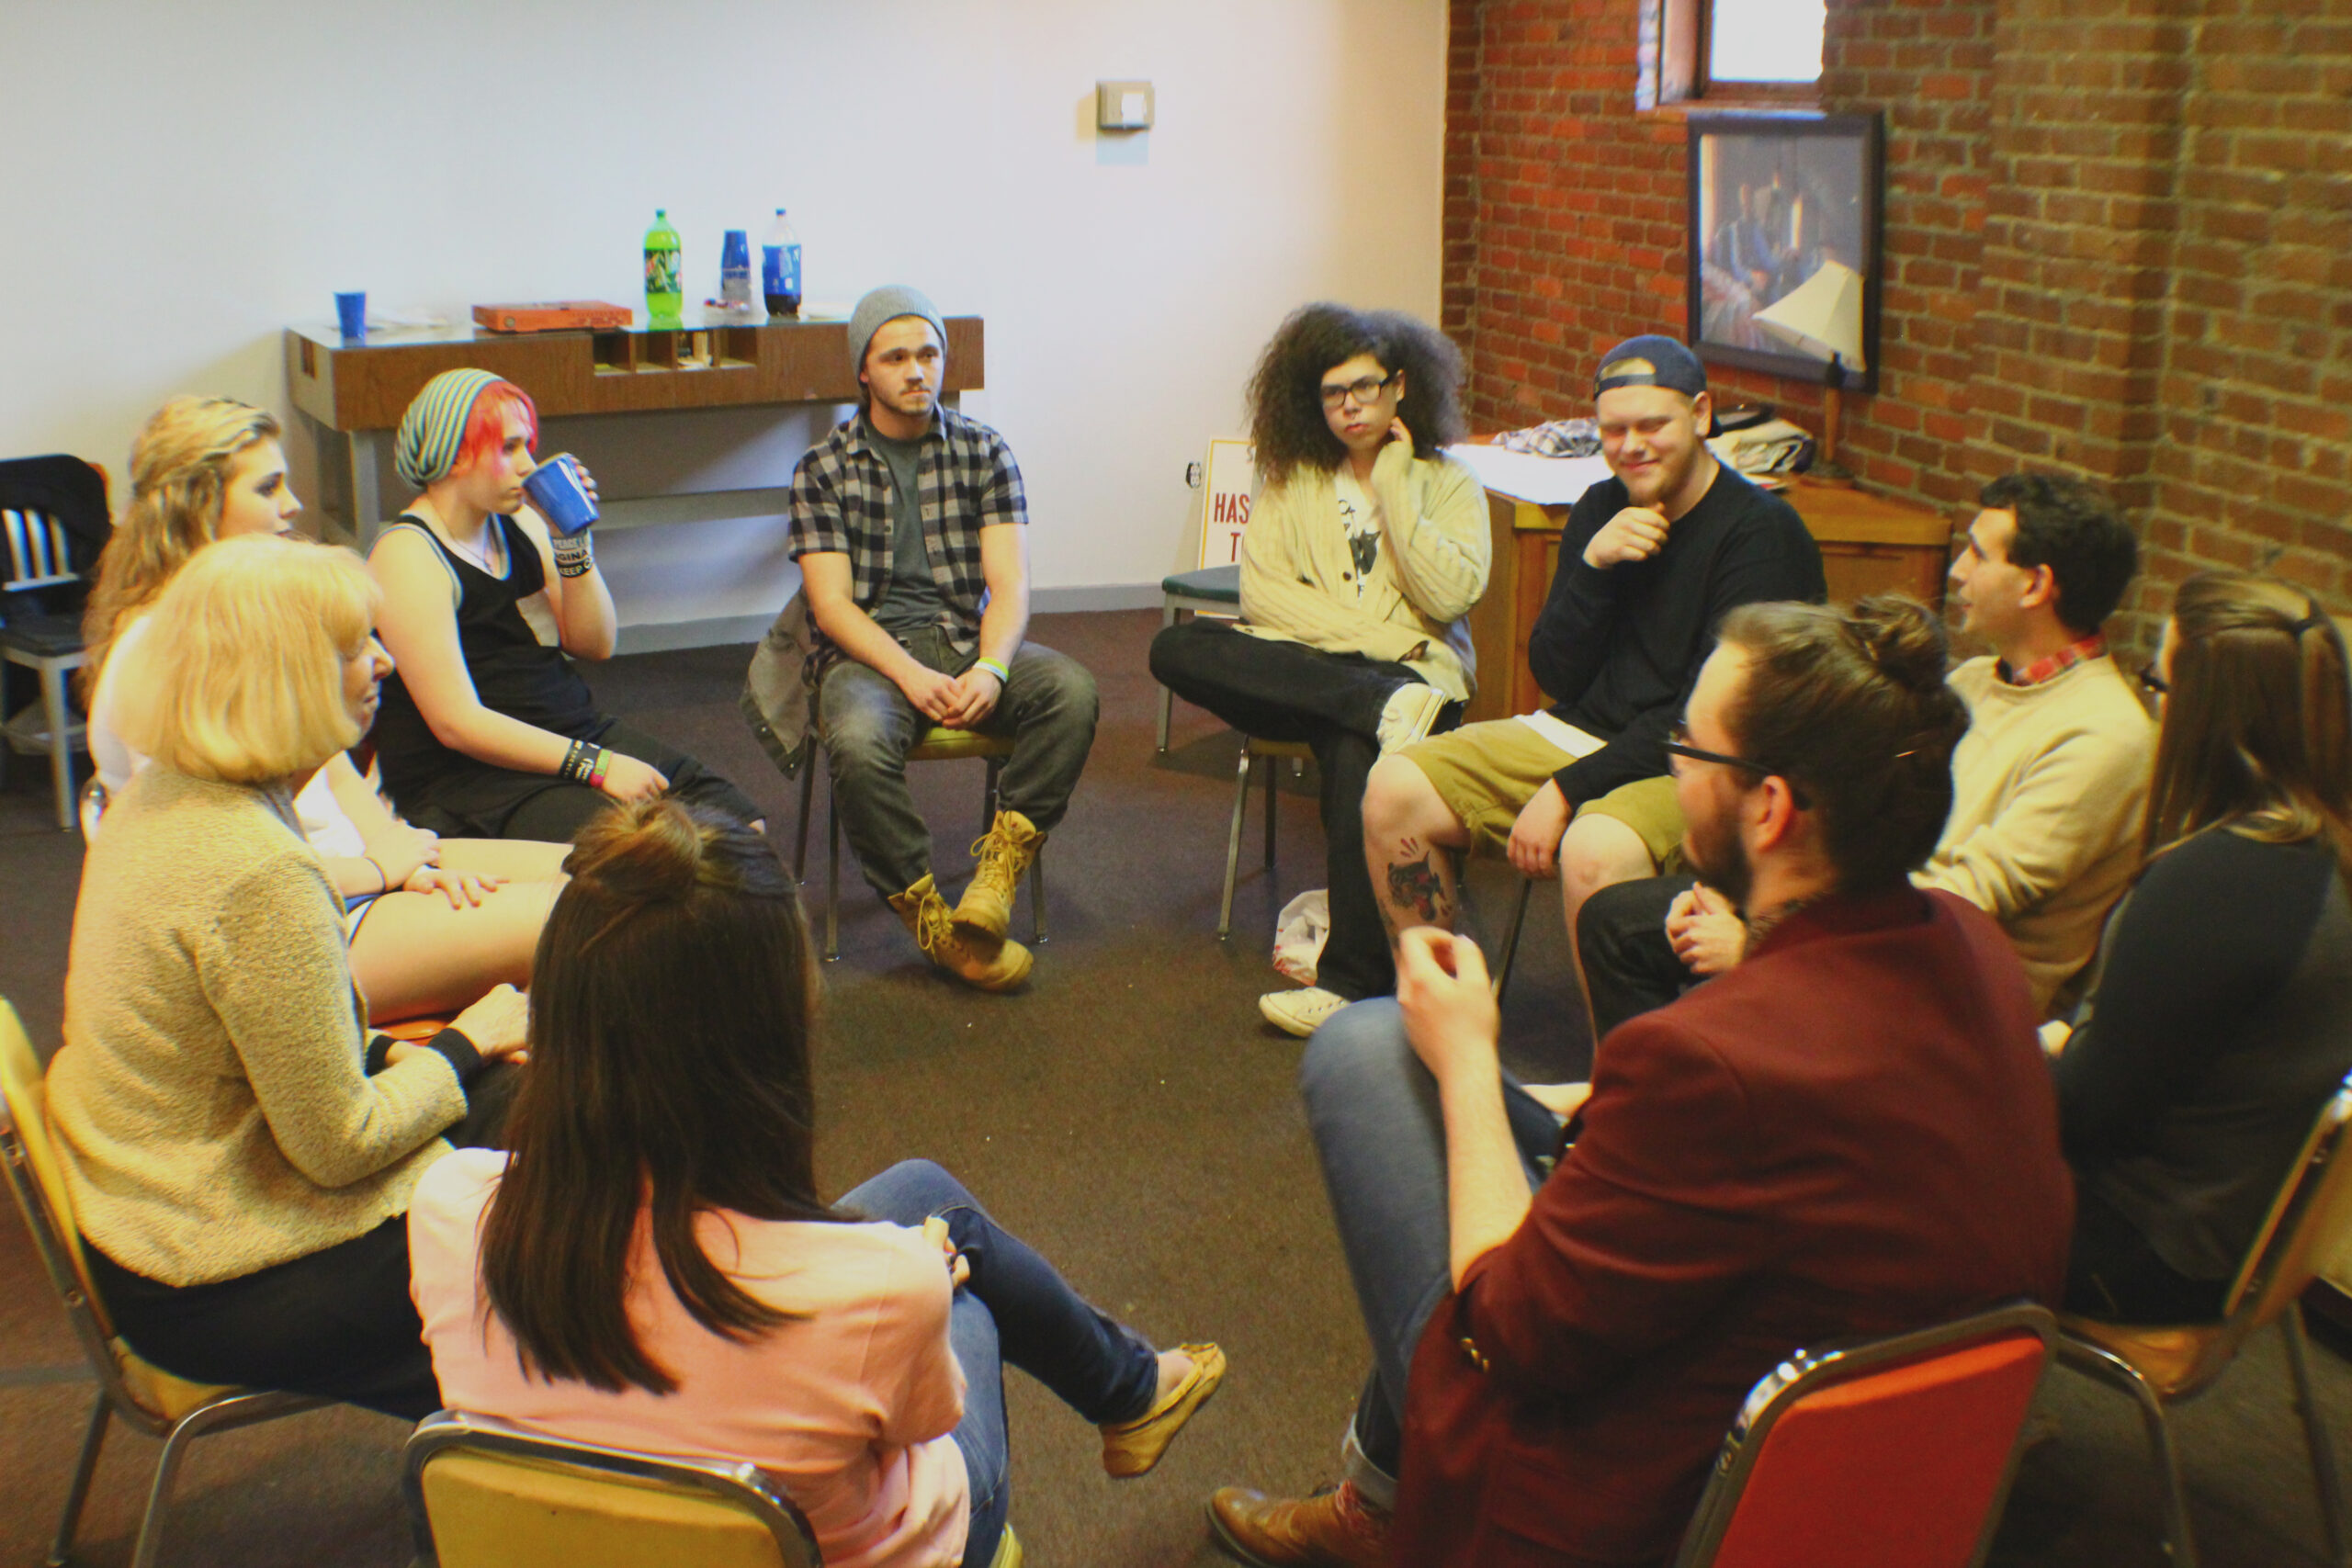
[238, 1171]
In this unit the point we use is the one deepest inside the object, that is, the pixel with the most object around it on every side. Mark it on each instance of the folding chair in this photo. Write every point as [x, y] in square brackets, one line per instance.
[1212, 589]
[938, 744]
[1892, 1453]
[485, 1494]
[54, 518]
[2163, 1366]
[145, 1396]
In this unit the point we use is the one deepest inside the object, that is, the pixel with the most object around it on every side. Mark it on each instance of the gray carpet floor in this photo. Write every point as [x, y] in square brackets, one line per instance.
[1130, 1115]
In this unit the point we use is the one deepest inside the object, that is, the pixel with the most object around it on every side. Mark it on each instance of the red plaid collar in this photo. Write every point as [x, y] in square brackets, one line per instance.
[2066, 657]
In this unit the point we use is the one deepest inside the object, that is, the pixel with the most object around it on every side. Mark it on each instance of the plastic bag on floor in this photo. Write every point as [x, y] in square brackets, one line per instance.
[1300, 932]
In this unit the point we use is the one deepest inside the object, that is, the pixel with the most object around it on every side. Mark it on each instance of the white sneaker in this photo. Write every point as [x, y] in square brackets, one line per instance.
[1412, 709]
[1300, 1013]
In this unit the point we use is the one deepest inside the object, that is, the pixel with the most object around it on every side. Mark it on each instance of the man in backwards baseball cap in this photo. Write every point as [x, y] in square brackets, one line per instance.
[1650, 561]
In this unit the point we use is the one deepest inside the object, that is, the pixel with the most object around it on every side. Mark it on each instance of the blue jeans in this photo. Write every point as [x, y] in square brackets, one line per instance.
[1048, 706]
[1378, 1129]
[1015, 1308]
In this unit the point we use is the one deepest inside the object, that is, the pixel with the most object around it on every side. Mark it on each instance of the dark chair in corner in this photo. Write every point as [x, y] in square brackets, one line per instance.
[2161, 1365]
[53, 514]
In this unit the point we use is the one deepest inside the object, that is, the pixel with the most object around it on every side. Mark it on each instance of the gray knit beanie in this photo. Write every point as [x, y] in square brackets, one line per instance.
[885, 305]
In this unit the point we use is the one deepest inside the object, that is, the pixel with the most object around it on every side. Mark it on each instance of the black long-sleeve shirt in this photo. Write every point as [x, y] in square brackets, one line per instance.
[1618, 650]
[2220, 1023]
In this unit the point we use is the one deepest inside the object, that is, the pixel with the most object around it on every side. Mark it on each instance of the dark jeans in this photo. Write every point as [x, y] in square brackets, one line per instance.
[338, 1322]
[479, 801]
[1048, 706]
[1015, 1308]
[2113, 1274]
[1331, 702]
[1629, 966]
[1380, 1133]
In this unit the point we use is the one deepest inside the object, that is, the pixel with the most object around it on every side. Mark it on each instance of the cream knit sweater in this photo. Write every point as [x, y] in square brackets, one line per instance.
[1297, 576]
[210, 1099]
[2049, 787]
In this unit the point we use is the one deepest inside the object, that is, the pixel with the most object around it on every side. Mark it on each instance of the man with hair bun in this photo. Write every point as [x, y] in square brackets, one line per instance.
[1853, 1133]
[2048, 786]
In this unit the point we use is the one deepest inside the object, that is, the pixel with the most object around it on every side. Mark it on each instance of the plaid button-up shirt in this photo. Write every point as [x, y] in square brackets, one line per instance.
[966, 480]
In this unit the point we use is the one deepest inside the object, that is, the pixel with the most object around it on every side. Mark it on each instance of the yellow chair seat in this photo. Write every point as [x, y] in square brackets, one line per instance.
[166, 1394]
[532, 1513]
[2175, 1361]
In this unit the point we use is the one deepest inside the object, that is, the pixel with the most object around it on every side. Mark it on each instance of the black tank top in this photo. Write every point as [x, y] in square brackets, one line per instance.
[514, 672]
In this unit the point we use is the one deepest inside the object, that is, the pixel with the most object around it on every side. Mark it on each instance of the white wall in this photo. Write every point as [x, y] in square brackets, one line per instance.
[183, 180]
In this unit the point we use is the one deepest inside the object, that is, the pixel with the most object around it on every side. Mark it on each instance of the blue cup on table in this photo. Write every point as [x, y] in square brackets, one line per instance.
[555, 489]
[351, 313]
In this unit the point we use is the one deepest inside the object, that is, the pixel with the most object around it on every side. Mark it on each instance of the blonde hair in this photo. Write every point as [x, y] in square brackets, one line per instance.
[239, 676]
[179, 482]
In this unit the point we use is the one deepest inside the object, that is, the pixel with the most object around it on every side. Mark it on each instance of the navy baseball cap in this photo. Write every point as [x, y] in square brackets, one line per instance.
[1651, 360]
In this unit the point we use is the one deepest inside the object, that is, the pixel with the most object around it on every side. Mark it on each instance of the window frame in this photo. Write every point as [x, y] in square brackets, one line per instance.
[1683, 27]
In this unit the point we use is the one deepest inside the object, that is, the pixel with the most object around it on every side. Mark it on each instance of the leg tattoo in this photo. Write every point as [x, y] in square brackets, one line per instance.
[1415, 887]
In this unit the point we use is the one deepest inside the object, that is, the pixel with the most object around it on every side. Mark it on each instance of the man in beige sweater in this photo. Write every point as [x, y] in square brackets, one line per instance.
[2048, 785]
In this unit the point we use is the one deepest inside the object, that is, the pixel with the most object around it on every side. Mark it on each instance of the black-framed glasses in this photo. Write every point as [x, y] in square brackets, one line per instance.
[1678, 744]
[1363, 390]
[2153, 679]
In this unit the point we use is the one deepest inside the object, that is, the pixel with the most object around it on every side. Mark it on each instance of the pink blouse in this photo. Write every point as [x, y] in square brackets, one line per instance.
[849, 1406]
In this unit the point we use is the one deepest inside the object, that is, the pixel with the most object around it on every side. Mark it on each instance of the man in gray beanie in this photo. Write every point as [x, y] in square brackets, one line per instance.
[909, 525]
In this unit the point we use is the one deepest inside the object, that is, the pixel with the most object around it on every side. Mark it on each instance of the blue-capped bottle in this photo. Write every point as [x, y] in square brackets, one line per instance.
[665, 297]
[780, 267]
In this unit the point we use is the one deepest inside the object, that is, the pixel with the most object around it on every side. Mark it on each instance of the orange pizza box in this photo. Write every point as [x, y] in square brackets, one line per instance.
[551, 315]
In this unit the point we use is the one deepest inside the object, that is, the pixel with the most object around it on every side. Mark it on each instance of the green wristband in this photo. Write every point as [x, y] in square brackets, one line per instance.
[1003, 676]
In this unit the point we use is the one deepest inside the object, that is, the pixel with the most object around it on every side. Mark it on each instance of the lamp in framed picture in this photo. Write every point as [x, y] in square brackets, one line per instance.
[1786, 217]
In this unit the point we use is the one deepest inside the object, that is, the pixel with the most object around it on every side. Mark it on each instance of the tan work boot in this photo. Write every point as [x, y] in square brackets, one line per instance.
[991, 964]
[1334, 1528]
[1004, 852]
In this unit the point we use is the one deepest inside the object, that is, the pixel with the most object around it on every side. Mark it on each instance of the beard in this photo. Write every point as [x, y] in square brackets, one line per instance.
[1719, 859]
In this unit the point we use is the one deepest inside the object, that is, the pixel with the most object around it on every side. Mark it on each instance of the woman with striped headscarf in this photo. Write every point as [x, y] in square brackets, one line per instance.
[486, 730]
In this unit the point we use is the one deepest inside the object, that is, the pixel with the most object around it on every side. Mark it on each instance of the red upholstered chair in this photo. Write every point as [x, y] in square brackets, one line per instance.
[1895, 1453]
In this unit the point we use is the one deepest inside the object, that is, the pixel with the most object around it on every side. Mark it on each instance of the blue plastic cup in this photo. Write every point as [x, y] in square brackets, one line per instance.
[351, 313]
[555, 489]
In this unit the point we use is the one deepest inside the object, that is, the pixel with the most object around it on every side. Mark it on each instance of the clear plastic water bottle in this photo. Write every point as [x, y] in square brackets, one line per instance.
[664, 295]
[735, 271]
[780, 267]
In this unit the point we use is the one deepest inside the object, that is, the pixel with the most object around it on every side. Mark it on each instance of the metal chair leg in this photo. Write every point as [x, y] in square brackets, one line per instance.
[1273, 778]
[1509, 952]
[2180, 1542]
[832, 879]
[1038, 898]
[807, 799]
[61, 1551]
[1233, 841]
[1166, 698]
[61, 744]
[2323, 1451]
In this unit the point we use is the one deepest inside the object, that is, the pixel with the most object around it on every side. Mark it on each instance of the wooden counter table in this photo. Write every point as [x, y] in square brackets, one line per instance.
[1870, 543]
[356, 392]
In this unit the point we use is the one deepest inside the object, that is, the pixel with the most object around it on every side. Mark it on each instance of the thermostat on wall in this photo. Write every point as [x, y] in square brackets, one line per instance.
[1123, 106]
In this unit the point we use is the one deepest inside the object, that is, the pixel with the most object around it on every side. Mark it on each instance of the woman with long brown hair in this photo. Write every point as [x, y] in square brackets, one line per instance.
[2221, 1017]
[652, 1266]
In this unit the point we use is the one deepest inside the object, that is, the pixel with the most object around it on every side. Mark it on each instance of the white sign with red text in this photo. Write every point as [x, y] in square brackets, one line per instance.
[1232, 474]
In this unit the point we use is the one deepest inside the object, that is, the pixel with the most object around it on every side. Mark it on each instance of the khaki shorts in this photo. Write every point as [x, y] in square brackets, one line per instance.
[1486, 773]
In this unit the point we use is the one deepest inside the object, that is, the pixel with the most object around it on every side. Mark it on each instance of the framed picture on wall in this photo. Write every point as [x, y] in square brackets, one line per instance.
[1784, 244]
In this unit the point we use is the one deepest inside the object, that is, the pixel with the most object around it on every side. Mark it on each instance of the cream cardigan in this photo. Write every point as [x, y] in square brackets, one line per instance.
[210, 1099]
[1297, 582]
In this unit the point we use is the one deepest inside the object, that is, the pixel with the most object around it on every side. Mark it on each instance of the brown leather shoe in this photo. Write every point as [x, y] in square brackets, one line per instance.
[1334, 1528]
[991, 964]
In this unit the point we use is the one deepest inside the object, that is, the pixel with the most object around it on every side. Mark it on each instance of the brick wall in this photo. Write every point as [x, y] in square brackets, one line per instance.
[2118, 242]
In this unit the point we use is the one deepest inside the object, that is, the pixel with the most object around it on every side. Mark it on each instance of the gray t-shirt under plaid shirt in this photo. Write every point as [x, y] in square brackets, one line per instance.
[844, 500]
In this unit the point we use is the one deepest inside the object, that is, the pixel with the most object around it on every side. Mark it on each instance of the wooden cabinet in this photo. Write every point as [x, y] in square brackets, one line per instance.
[1870, 543]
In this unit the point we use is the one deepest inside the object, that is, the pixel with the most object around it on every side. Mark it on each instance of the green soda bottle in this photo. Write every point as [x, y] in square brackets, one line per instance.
[664, 298]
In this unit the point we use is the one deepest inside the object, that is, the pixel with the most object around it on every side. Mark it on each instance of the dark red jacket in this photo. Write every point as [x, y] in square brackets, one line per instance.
[1853, 1133]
